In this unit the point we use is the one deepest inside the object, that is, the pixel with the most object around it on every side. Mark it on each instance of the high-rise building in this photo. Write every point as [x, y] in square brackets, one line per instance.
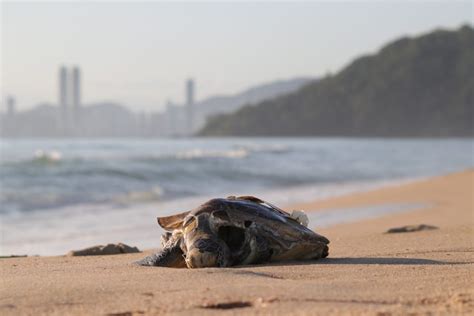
[63, 88]
[190, 92]
[76, 88]
[171, 119]
[69, 99]
[76, 97]
[10, 106]
[63, 99]
[190, 106]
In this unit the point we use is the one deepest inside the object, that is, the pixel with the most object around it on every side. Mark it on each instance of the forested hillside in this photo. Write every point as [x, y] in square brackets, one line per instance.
[421, 86]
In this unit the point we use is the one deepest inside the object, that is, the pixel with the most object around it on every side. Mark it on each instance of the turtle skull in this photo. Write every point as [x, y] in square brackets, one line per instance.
[203, 247]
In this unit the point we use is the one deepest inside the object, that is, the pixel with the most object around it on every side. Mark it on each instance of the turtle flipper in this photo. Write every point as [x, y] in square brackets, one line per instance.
[171, 257]
[172, 222]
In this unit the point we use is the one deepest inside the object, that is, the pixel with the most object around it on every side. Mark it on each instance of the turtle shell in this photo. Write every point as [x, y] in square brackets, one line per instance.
[234, 231]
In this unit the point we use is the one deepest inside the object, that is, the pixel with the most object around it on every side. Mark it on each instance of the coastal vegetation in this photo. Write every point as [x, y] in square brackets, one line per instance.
[420, 87]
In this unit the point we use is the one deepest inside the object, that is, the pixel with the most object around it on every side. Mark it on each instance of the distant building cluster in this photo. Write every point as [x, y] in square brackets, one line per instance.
[71, 117]
[176, 119]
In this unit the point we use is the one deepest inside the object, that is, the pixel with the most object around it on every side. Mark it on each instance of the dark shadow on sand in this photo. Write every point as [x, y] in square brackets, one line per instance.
[382, 261]
[362, 261]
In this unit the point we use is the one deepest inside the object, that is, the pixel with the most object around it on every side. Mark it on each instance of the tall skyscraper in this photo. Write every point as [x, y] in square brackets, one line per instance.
[10, 106]
[190, 106]
[63, 98]
[76, 88]
[190, 92]
[76, 96]
[63, 88]
[70, 99]
[171, 119]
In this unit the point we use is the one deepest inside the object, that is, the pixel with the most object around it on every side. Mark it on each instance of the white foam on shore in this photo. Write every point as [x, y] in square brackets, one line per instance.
[55, 232]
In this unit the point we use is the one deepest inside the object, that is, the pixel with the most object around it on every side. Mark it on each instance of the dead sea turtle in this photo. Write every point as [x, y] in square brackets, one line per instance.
[234, 231]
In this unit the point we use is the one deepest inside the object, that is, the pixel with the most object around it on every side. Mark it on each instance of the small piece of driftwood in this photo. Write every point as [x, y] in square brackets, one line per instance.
[410, 228]
[100, 250]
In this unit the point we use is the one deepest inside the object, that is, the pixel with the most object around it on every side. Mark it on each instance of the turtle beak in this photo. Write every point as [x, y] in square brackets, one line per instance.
[206, 252]
[198, 259]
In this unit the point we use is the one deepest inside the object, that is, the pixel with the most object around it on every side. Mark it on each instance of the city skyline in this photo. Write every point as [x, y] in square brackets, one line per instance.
[138, 54]
[69, 95]
[70, 117]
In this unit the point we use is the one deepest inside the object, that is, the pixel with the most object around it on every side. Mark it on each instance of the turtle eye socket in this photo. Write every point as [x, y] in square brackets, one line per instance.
[222, 215]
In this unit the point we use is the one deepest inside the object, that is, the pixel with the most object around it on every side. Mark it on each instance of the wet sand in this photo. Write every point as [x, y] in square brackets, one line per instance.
[367, 271]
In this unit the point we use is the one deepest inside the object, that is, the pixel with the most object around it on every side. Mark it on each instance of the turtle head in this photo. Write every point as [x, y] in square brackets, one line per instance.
[203, 247]
[204, 253]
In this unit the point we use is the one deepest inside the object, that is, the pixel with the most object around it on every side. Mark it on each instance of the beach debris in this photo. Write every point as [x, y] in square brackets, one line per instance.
[128, 313]
[301, 217]
[264, 302]
[410, 228]
[227, 305]
[13, 256]
[100, 250]
[233, 231]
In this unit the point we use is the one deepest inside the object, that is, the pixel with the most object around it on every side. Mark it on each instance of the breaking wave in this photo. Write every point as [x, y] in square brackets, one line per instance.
[47, 156]
[38, 175]
[199, 153]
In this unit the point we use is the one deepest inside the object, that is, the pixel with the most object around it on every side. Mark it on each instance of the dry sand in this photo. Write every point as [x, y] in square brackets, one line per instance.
[367, 272]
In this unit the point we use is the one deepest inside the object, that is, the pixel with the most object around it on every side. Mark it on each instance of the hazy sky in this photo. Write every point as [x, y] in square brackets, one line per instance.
[140, 54]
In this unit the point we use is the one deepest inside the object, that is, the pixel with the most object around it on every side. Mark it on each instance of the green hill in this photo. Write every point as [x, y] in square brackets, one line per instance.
[421, 86]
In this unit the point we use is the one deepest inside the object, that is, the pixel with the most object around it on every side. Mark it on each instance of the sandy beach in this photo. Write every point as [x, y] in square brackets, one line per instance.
[367, 271]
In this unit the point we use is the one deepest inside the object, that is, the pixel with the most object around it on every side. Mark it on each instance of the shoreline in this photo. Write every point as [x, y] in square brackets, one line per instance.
[143, 232]
[367, 271]
[62, 222]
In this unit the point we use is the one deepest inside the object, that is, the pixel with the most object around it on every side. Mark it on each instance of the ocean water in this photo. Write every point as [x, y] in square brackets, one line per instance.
[58, 195]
